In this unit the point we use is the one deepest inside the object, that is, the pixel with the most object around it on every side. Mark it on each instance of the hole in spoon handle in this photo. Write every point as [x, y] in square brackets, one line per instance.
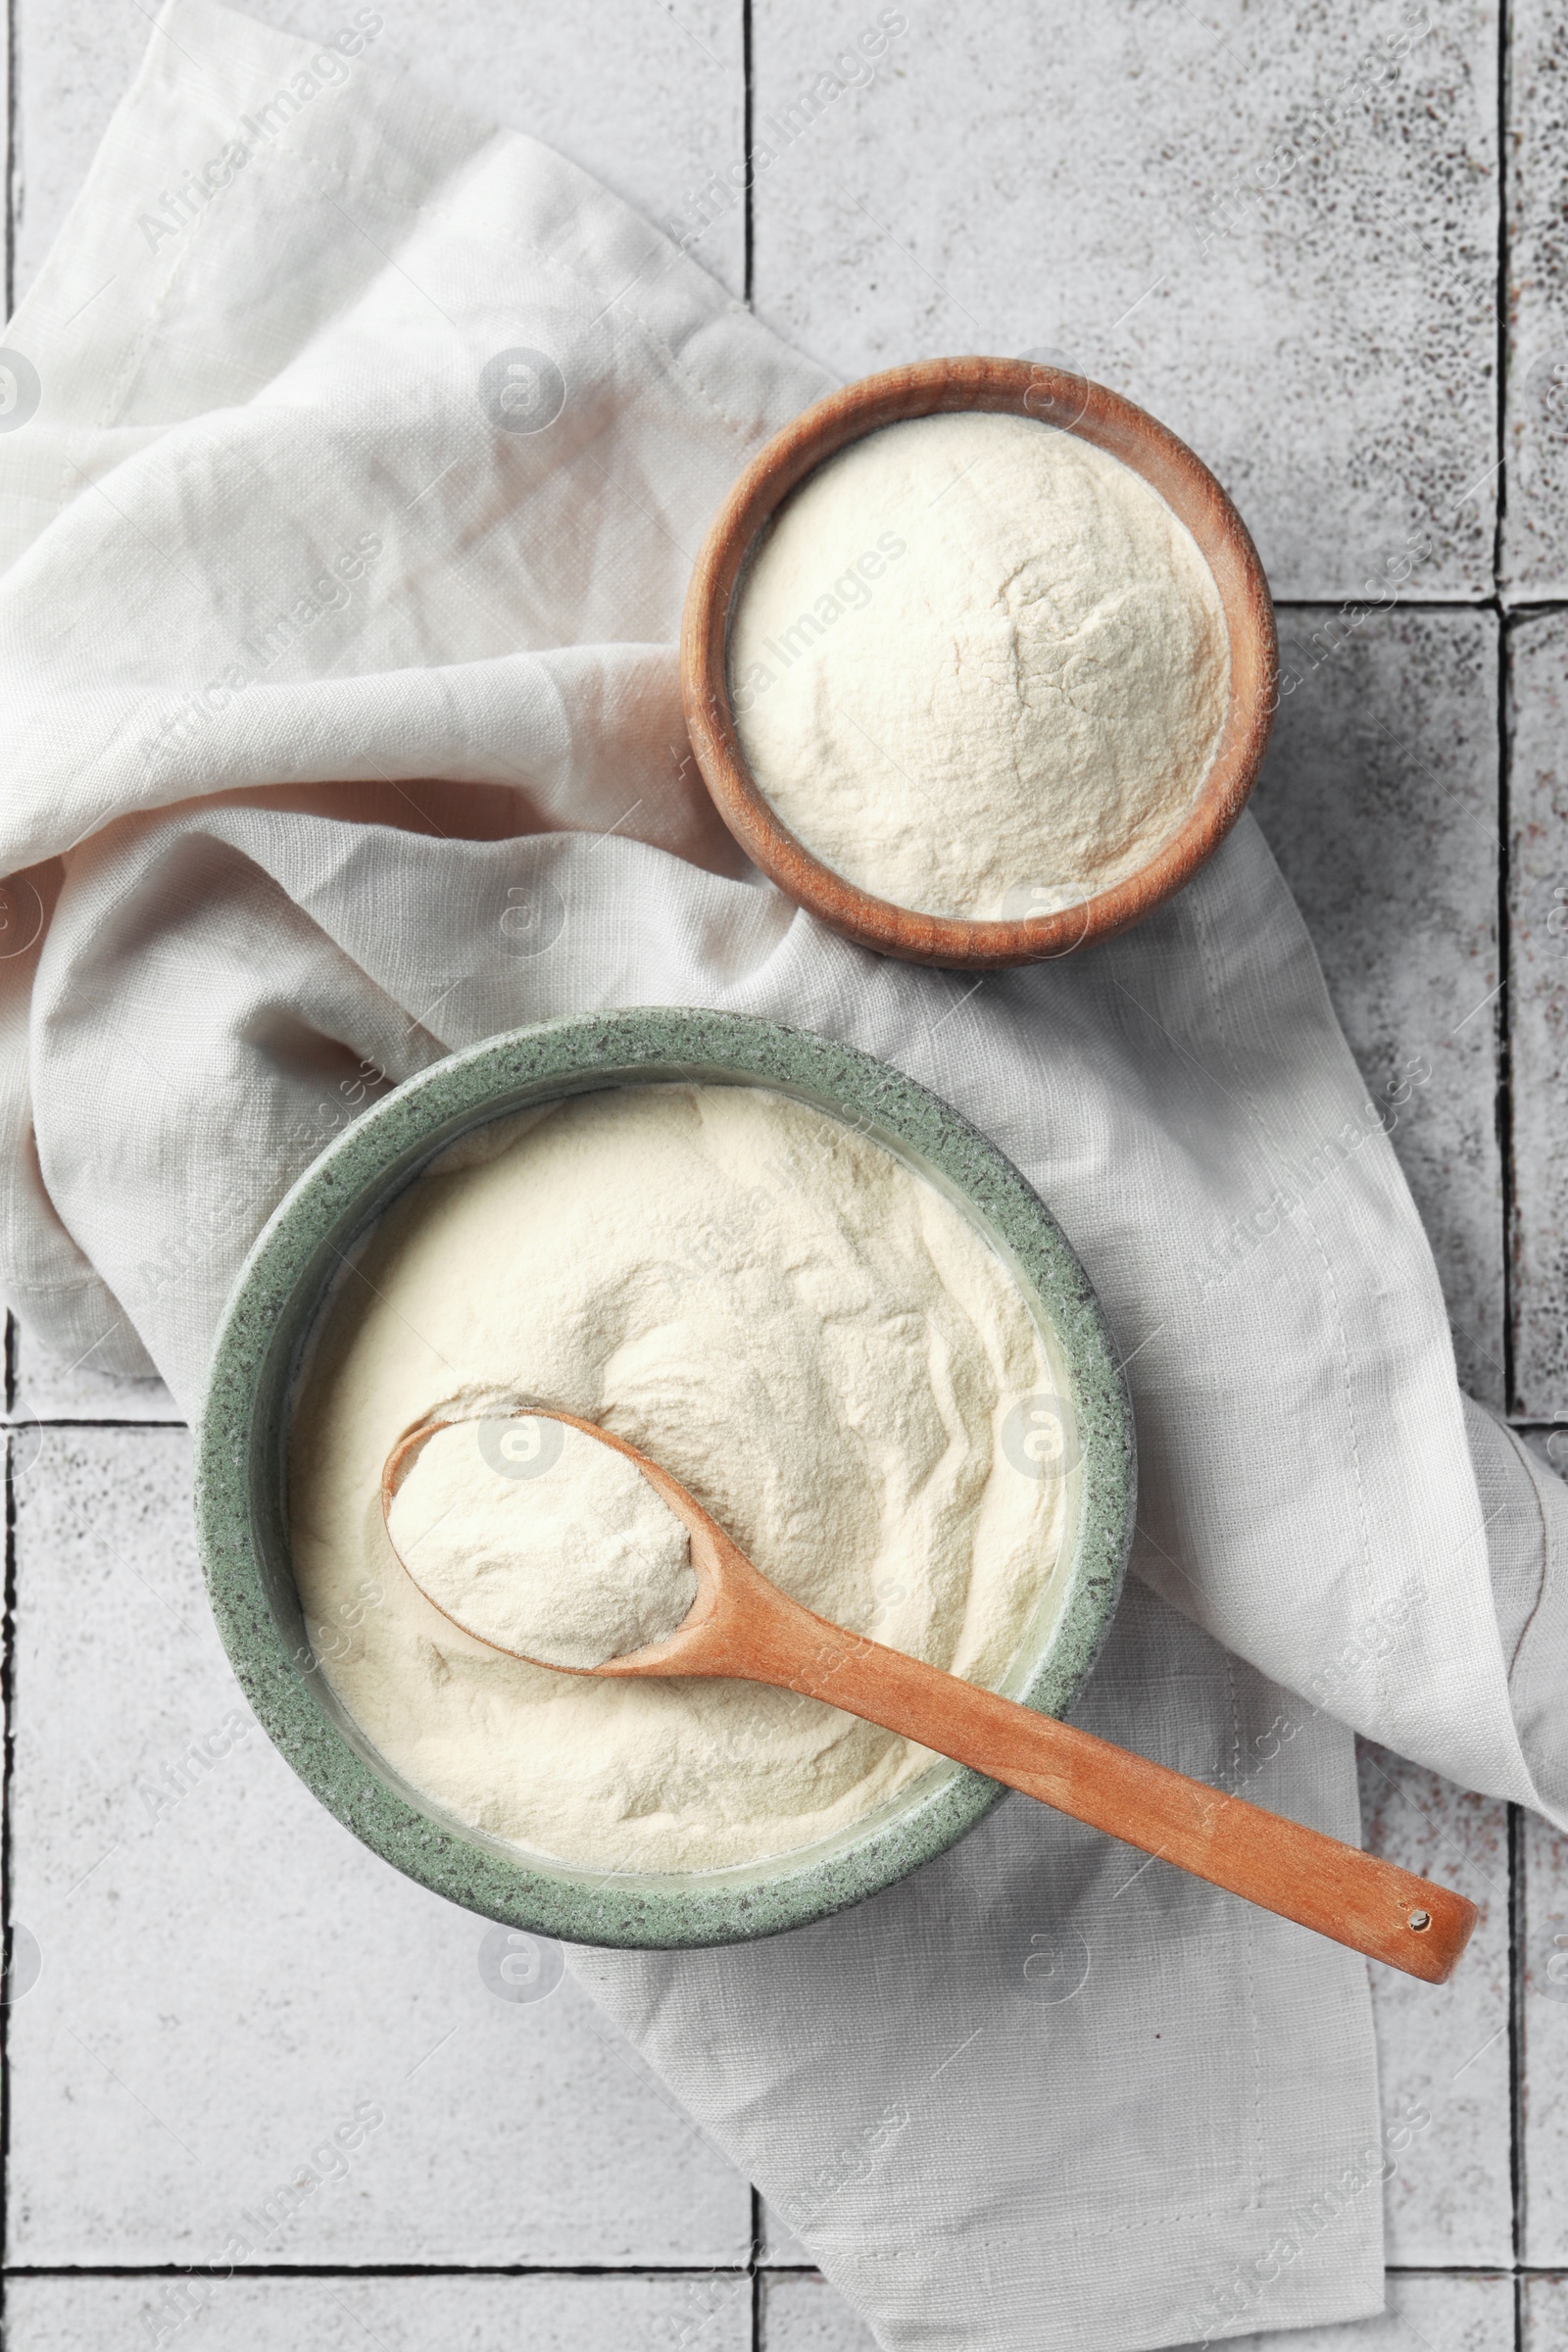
[1436, 1925]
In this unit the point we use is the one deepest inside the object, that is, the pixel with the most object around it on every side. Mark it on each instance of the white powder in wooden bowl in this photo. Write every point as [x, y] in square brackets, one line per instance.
[811, 1337]
[978, 667]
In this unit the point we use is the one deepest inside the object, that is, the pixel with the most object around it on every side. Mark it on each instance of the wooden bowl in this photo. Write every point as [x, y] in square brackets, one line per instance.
[1016, 387]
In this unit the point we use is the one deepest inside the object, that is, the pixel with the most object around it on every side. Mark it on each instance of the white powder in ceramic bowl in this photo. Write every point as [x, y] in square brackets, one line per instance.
[541, 1540]
[979, 667]
[814, 1339]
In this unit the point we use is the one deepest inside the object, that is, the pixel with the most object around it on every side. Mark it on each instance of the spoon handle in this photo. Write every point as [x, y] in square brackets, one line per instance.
[1357, 1900]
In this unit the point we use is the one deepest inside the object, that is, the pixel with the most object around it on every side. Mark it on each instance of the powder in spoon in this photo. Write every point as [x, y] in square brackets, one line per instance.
[537, 1538]
[979, 667]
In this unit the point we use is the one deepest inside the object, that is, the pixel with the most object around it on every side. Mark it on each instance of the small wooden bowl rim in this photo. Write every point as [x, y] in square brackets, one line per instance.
[1016, 387]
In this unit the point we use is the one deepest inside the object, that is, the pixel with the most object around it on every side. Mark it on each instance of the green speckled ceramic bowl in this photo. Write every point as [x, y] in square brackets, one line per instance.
[242, 1469]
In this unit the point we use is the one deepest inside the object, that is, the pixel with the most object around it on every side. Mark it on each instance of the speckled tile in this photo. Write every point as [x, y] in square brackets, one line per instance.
[650, 99]
[1442, 2049]
[231, 1990]
[1538, 915]
[1545, 2315]
[400, 2315]
[48, 1388]
[1544, 2163]
[1424, 2314]
[1380, 800]
[1230, 213]
[1535, 525]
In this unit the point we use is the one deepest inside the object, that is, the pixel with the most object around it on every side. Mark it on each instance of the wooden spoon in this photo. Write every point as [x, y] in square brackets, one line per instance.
[742, 1626]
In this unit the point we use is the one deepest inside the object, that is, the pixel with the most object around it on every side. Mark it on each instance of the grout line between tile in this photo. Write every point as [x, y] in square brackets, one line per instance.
[1516, 2273]
[1517, 2178]
[616, 2270]
[747, 143]
[1503, 1109]
[1531, 608]
[1458, 603]
[92, 1421]
[1510, 608]
[1452, 2270]
[1503, 1030]
[383, 2270]
[756, 2269]
[1507, 607]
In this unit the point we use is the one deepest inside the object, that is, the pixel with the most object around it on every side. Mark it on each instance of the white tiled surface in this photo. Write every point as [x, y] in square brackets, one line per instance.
[203, 2023]
[400, 2315]
[1444, 2060]
[1091, 180]
[1546, 2315]
[1139, 187]
[1380, 801]
[1425, 2313]
[1535, 532]
[51, 1388]
[1544, 2037]
[1537, 896]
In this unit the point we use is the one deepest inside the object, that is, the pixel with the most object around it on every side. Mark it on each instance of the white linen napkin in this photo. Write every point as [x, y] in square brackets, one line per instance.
[352, 459]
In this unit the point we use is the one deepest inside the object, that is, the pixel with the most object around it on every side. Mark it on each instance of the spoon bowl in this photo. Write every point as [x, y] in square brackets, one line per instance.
[739, 1624]
[717, 1575]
